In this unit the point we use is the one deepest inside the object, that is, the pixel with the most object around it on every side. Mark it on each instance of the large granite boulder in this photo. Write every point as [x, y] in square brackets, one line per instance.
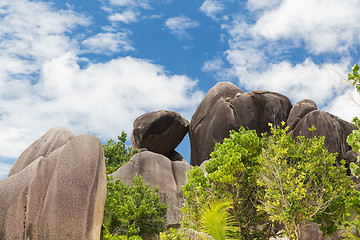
[57, 196]
[224, 108]
[334, 129]
[298, 111]
[158, 171]
[50, 141]
[256, 109]
[159, 131]
[212, 121]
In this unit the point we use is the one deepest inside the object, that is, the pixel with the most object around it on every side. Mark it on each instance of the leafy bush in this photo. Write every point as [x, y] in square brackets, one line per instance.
[173, 234]
[232, 172]
[133, 210]
[116, 154]
[301, 183]
[272, 179]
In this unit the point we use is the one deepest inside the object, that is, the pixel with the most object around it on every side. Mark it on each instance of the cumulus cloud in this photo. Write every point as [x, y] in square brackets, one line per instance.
[179, 26]
[346, 105]
[211, 8]
[108, 43]
[323, 25]
[43, 84]
[106, 97]
[320, 83]
[265, 49]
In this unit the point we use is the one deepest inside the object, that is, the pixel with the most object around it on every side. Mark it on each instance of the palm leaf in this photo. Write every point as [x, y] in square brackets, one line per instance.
[217, 222]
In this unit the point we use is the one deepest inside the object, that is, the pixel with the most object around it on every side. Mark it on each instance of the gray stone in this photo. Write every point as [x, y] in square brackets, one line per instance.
[298, 111]
[212, 121]
[256, 109]
[50, 141]
[59, 196]
[334, 129]
[224, 108]
[158, 171]
[159, 131]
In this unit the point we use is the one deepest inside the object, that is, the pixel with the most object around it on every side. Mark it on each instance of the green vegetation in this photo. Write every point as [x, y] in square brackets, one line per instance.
[272, 179]
[218, 223]
[301, 183]
[116, 154]
[131, 212]
[252, 184]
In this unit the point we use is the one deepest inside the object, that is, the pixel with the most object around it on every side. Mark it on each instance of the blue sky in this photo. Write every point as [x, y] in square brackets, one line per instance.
[94, 66]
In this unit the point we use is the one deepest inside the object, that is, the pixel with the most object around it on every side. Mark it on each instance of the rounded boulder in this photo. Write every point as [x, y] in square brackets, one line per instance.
[159, 131]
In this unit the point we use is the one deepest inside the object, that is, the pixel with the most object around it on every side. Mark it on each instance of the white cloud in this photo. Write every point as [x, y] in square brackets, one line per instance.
[108, 43]
[346, 105]
[108, 96]
[127, 16]
[42, 84]
[261, 4]
[264, 49]
[131, 3]
[215, 64]
[211, 8]
[32, 32]
[324, 25]
[179, 26]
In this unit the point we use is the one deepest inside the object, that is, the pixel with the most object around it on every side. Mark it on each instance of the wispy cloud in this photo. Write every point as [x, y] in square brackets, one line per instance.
[108, 43]
[212, 8]
[180, 25]
[126, 16]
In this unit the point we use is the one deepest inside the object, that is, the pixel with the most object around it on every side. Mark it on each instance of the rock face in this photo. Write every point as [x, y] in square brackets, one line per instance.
[334, 129]
[256, 109]
[158, 171]
[299, 110]
[224, 108]
[52, 140]
[57, 196]
[212, 121]
[159, 131]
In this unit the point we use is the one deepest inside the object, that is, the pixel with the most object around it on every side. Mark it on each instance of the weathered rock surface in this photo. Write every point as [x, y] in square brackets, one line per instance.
[159, 131]
[50, 141]
[298, 111]
[212, 121]
[224, 108]
[334, 129]
[256, 109]
[175, 156]
[59, 196]
[158, 171]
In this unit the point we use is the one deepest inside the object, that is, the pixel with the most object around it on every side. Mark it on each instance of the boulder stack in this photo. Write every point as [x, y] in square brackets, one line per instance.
[224, 108]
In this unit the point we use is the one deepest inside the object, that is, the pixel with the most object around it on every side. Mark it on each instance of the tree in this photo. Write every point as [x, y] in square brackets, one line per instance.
[232, 172]
[133, 210]
[272, 179]
[301, 182]
[116, 153]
